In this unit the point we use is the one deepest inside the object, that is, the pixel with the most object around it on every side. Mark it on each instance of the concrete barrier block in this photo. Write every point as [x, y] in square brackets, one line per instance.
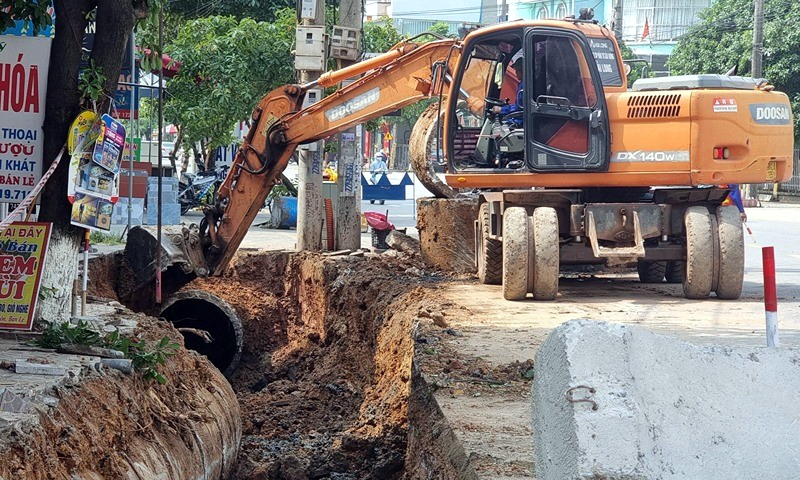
[32, 368]
[616, 401]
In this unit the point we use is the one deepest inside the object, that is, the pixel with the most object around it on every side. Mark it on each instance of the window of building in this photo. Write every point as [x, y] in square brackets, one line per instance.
[561, 10]
[543, 13]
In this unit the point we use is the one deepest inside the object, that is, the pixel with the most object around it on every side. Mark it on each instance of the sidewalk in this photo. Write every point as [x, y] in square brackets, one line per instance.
[257, 237]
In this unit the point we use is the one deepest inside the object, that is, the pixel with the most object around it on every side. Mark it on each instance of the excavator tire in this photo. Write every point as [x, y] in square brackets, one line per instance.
[419, 152]
[674, 271]
[731, 253]
[545, 261]
[516, 242]
[651, 272]
[490, 257]
[699, 277]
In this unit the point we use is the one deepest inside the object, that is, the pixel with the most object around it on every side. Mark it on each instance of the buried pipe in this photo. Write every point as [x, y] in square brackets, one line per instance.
[209, 326]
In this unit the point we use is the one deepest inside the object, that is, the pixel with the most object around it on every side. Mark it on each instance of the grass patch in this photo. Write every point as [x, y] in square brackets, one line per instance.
[105, 239]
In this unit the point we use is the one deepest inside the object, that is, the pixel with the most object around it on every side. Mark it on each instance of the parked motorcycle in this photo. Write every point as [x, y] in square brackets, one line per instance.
[200, 189]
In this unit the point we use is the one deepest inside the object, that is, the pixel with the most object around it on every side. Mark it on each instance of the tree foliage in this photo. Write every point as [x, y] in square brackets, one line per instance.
[258, 10]
[380, 36]
[723, 39]
[33, 13]
[226, 65]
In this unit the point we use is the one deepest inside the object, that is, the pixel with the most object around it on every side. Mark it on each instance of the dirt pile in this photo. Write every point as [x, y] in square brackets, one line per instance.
[447, 233]
[325, 373]
[325, 382]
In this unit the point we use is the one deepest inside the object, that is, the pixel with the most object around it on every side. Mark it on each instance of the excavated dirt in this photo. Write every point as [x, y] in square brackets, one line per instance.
[343, 359]
[447, 232]
[326, 383]
[325, 376]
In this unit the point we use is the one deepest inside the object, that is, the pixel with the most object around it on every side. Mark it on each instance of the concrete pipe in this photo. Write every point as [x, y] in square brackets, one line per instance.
[209, 326]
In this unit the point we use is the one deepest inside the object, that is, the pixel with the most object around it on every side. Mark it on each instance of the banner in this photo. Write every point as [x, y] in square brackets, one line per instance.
[23, 85]
[22, 254]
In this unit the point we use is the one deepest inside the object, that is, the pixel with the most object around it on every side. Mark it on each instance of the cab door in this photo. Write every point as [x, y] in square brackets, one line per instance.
[566, 119]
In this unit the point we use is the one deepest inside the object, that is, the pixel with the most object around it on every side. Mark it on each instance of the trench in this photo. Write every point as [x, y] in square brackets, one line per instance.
[320, 354]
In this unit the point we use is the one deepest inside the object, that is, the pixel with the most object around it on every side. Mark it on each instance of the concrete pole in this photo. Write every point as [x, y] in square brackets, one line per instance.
[310, 210]
[758, 37]
[348, 212]
[758, 43]
[618, 19]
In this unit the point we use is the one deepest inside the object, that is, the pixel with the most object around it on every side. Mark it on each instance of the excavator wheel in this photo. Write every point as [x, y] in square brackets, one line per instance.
[731, 253]
[651, 272]
[422, 137]
[516, 243]
[699, 276]
[545, 262]
[490, 257]
[674, 271]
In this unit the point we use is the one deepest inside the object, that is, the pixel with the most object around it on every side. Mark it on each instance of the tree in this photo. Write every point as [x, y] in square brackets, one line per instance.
[380, 36]
[226, 66]
[259, 10]
[114, 20]
[723, 39]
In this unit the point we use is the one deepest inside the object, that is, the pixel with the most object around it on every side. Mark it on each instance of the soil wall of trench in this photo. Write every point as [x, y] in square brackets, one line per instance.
[110, 425]
[326, 382]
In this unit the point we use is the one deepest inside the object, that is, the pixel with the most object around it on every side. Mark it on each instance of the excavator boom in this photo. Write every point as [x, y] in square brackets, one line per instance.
[406, 74]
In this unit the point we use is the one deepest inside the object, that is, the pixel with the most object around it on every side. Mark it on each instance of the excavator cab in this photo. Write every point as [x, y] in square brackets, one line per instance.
[553, 117]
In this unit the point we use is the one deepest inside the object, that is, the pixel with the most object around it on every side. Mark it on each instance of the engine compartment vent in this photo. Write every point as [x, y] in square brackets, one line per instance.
[654, 106]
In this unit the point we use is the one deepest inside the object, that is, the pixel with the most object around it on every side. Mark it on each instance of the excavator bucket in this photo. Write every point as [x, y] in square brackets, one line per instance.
[180, 249]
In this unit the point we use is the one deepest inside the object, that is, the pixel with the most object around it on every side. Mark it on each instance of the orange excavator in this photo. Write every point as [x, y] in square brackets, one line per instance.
[571, 166]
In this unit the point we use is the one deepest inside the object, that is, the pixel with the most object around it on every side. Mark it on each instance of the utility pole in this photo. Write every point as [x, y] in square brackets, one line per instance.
[348, 213]
[309, 201]
[758, 38]
[755, 70]
[618, 19]
[503, 12]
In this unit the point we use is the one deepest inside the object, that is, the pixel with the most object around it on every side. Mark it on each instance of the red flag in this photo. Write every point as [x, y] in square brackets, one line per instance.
[646, 30]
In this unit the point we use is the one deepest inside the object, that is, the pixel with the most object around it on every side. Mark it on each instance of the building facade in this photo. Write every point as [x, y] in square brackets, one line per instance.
[666, 21]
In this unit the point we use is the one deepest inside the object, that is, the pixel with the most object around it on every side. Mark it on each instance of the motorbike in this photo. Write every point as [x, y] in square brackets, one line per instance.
[200, 188]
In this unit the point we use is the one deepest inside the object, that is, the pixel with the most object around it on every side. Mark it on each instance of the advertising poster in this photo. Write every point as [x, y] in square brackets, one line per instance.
[22, 255]
[23, 85]
[96, 147]
[109, 145]
[92, 212]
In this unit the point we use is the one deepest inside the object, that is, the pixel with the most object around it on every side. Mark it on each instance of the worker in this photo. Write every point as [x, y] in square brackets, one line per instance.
[516, 106]
[735, 198]
[378, 166]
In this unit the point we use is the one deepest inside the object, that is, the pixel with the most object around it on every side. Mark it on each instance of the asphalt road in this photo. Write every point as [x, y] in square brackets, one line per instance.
[777, 226]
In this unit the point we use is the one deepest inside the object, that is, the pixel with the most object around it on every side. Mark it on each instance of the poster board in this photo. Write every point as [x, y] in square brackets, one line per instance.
[24, 62]
[96, 148]
[23, 246]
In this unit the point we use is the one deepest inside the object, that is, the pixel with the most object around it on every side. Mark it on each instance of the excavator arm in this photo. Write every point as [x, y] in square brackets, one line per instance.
[406, 74]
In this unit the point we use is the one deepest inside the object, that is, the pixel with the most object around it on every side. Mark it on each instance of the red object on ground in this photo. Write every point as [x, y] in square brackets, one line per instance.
[378, 221]
[770, 290]
[770, 295]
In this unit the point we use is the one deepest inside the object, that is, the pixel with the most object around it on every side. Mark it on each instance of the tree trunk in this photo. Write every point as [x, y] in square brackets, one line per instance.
[173, 155]
[115, 21]
[211, 160]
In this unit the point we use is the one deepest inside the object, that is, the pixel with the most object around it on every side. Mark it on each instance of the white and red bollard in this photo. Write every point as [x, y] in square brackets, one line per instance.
[770, 295]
